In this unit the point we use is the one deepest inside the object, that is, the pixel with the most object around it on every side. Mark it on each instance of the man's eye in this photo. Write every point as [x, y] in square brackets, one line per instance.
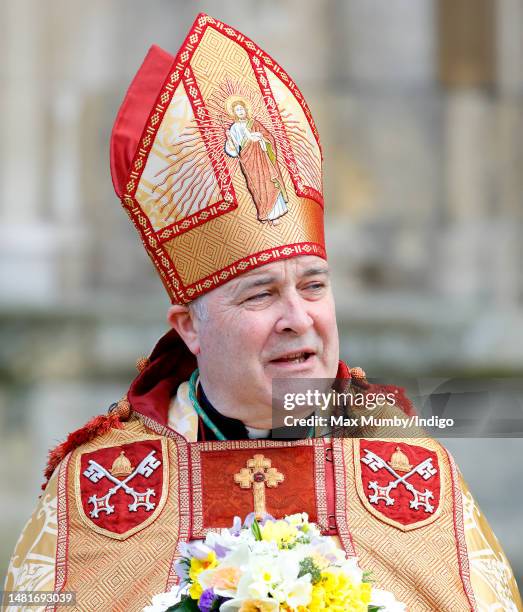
[315, 286]
[258, 296]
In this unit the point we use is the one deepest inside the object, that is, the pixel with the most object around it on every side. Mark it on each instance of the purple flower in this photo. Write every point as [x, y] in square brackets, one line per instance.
[181, 567]
[206, 600]
[195, 549]
[236, 526]
[249, 519]
[221, 550]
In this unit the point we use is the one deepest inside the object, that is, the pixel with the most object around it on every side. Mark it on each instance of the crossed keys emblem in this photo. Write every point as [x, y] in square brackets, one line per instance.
[96, 472]
[420, 499]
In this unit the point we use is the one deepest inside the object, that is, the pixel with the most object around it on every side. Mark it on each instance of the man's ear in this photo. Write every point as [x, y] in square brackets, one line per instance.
[185, 323]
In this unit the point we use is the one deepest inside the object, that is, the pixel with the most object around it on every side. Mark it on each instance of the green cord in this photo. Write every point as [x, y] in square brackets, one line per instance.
[201, 413]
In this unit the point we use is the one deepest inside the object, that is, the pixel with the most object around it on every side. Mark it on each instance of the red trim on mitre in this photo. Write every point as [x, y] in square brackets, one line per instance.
[250, 262]
[134, 112]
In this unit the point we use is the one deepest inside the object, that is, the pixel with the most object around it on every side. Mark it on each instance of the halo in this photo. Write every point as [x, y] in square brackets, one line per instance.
[233, 100]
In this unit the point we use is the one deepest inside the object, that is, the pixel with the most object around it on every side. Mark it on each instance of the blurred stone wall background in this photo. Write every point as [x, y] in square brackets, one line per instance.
[419, 105]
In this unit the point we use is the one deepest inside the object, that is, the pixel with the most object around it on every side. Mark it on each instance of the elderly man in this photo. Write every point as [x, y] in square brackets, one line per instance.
[252, 303]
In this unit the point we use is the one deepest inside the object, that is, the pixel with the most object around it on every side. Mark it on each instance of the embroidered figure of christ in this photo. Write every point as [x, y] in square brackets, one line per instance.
[249, 141]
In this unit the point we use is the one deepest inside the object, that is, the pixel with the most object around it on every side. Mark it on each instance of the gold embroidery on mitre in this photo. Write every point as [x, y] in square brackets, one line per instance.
[399, 461]
[259, 473]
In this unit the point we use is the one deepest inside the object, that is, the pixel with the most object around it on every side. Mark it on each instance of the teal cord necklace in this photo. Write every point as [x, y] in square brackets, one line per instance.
[199, 410]
[203, 415]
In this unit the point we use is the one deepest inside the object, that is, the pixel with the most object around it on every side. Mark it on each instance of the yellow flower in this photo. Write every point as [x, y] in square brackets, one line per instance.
[318, 598]
[365, 591]
[198, 565]
[280, 532]
[336, 592]
[196, 590]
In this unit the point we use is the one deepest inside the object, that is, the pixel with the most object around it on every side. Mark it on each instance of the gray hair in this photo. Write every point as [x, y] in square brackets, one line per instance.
[199, 308]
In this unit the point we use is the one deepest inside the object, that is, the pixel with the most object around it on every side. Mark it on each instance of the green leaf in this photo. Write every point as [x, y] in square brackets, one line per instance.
[216, 604]
[307, 566]
[366, 577]
[256, 531]
[186, 604]
[374, 608]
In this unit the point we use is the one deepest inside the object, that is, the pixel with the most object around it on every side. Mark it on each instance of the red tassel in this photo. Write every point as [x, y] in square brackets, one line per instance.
[97, 426]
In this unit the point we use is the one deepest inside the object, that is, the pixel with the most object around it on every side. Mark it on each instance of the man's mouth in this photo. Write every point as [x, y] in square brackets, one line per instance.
[299, 357]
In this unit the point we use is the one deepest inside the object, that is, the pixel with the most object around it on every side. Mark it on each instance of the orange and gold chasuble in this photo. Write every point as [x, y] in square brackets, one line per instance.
[115, 551]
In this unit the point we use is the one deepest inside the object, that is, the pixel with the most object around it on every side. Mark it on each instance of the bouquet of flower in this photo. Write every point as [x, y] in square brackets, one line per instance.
[270, 566]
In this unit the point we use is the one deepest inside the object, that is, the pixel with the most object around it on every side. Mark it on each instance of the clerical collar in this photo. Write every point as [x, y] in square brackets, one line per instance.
[232, 429]
[257, 434]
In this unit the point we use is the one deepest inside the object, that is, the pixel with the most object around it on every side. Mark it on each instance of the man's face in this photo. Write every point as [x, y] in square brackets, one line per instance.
[277, 321]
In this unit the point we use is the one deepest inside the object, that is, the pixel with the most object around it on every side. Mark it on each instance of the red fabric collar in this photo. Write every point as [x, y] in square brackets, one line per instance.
[170, 364]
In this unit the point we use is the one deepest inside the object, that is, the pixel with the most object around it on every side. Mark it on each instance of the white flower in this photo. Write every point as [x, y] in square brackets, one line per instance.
[195, 549]
[238, 557]
[350, 567]
[224, 538]
[297, 519]
[162, 601]
[258, 577]
[387, 600]
[269, 605]
[258, 589]
[264, 547]
[285, 569]
[299, 594]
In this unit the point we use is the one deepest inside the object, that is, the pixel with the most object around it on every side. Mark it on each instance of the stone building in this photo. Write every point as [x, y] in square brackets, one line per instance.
[419, 106]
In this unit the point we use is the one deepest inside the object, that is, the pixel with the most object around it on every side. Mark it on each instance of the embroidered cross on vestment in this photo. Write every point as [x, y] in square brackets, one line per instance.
[258, 474]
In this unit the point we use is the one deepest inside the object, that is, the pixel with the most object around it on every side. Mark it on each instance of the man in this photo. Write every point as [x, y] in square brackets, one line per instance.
[252, 303]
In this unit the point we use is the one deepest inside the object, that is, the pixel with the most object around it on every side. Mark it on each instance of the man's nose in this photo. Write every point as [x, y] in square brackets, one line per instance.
[295, 315]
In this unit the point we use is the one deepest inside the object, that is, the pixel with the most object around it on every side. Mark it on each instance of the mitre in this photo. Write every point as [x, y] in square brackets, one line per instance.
[217, 161]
